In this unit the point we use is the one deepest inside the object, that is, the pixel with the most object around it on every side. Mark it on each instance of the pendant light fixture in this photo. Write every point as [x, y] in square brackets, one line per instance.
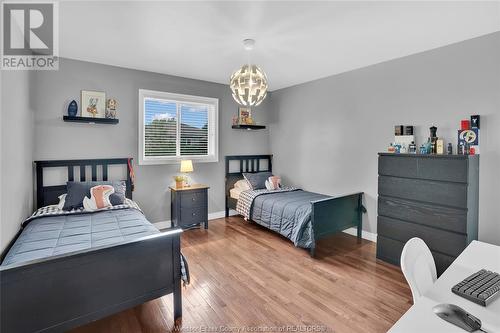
[249, 83]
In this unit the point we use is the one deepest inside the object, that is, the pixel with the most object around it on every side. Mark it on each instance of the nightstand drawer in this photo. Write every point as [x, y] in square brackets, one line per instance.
[193, 215]
[189, 205]
[193, 199]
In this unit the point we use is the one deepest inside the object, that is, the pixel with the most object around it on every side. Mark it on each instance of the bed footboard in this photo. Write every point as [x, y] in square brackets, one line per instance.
[65, 291]
[329, 216]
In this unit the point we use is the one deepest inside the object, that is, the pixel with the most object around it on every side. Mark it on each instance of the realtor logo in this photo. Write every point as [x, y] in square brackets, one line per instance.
[29, 36]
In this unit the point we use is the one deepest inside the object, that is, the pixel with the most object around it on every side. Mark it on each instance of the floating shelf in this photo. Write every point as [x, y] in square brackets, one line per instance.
[90, 120]
[249, 127]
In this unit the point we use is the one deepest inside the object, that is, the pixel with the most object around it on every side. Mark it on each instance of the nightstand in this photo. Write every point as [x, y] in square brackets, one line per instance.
[189, 206]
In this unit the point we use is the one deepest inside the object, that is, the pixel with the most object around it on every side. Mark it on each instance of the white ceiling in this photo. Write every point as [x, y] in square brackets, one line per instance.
[296, 41]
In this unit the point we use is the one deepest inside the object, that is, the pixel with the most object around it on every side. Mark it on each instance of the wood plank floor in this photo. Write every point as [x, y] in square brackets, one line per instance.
[244, 275]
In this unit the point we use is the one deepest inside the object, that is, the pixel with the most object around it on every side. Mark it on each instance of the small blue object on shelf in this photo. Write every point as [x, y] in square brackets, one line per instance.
[72, 109]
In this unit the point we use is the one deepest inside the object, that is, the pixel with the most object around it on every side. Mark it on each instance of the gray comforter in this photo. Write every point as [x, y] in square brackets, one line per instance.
[288, 213]
[53, 235]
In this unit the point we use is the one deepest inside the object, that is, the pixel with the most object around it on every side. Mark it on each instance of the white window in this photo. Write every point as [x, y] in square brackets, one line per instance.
[173, 127]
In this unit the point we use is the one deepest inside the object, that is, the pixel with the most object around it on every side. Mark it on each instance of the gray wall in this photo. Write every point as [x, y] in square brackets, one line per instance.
[16, 142]
[55, 139]
[326, 134]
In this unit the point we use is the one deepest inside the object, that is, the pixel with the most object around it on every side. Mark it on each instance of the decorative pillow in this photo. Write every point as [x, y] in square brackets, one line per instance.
[242, 184]
[273, 183]
[76, 191]
[257, 180]
[99, 197]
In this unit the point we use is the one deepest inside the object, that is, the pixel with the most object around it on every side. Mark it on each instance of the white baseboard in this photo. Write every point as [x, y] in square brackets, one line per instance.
[211, 216]
[217, 215]
[162, 224]
[364, 234]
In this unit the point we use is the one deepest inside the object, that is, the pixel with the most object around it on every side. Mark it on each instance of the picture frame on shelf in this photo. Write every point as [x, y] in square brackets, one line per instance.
[245, 116]
[93, 104]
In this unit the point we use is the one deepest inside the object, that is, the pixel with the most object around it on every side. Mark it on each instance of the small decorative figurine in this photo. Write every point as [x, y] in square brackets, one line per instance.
[111, 106]
[72, 109]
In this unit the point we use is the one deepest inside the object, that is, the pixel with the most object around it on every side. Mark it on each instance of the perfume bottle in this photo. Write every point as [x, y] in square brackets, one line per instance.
[433, 140]
[460, 148]
[412, 148]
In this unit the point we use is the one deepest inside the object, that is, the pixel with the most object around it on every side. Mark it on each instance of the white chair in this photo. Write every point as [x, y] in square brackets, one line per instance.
[418, 267]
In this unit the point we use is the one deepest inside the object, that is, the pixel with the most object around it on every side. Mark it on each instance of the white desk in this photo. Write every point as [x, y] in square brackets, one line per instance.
[421, 318]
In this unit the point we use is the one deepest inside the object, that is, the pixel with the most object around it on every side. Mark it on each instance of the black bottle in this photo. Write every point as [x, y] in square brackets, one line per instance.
[450, 149]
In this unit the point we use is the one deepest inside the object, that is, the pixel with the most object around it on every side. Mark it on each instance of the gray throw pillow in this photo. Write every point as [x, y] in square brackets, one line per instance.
[77, 191]
[257, 180]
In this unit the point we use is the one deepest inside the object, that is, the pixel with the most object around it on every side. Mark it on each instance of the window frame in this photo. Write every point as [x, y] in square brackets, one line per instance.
[213, 127]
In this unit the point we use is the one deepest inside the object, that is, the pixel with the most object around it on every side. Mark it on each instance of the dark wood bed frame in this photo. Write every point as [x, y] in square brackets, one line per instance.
[328, 216]
[61, 292]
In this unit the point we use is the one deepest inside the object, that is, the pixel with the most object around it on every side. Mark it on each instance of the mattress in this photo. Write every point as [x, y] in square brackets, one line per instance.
[54, 235]
[235, 193]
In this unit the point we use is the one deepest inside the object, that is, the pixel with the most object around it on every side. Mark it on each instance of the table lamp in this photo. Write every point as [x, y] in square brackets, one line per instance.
[186, 167]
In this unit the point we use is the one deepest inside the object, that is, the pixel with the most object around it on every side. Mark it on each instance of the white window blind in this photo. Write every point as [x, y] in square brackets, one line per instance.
[173, 127]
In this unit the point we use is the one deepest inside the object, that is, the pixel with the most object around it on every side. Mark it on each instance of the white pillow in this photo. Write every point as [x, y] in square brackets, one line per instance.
[99, 197]
[242, 184]
[62, 200]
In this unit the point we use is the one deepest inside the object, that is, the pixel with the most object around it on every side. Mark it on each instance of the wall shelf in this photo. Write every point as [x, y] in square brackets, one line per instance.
[249, 127]
[90, 120]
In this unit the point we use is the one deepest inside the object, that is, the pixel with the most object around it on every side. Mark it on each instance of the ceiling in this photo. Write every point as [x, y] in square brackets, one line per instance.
[297, 41]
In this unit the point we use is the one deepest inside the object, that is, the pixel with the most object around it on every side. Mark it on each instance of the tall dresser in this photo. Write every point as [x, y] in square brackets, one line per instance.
[433, 197]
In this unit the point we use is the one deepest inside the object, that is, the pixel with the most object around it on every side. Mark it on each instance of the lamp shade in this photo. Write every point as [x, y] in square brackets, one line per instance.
[249, 85]
[186, 166]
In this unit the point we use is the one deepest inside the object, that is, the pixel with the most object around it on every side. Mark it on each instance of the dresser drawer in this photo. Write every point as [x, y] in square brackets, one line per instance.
[389, 250]
[442, 241]
[191, 199]
[398, 166]
[448, 218]
[440, 193]
[193, 215]
[426, 167]
[443, 169]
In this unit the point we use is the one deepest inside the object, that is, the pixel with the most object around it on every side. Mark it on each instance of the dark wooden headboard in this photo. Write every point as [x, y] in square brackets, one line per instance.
[247, 163]
[48, 195]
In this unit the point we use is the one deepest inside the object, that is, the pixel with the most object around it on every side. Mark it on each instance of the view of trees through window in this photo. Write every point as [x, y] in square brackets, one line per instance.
[164, 136]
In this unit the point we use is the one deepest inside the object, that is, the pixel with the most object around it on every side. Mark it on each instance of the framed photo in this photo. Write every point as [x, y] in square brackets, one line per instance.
[245, 116]
[93, 104]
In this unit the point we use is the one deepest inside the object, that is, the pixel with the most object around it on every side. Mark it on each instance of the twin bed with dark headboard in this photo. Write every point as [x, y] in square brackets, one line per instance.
[113, 272]
[327, 215]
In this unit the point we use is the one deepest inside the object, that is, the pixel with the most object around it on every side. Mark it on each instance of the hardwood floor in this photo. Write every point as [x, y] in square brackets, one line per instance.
[243, 275]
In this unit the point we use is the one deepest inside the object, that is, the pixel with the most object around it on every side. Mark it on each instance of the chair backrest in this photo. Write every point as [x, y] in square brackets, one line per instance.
[418, 267]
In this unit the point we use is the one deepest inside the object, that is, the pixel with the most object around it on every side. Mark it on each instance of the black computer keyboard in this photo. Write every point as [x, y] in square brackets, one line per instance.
[481, 287]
